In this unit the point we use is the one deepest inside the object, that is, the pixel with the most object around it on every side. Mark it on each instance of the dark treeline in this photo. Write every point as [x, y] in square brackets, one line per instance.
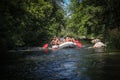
[35, 22]
[29, 22]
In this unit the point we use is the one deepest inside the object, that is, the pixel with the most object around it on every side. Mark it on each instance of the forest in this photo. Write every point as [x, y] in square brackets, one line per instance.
[35, 22]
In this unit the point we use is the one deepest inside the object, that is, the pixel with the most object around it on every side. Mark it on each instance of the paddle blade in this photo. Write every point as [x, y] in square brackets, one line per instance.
[45, 46]
[79, 44]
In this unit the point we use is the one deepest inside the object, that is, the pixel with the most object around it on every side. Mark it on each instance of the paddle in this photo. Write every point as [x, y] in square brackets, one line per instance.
[45, 46]
[79, 44]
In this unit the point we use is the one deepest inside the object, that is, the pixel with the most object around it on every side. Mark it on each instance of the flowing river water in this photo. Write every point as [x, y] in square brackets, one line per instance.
[62, 64]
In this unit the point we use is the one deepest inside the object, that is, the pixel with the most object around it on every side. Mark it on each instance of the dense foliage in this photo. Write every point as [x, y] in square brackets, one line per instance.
[95, 19]
[35, 22]
[29, 22]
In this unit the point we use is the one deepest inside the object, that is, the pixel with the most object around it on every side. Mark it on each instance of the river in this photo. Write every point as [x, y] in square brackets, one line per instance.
[63, 64]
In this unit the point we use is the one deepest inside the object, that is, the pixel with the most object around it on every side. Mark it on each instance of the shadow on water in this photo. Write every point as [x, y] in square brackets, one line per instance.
[64, 64]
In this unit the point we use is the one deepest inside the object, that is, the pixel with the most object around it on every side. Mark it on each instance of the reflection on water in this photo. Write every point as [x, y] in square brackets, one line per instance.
[63, 64]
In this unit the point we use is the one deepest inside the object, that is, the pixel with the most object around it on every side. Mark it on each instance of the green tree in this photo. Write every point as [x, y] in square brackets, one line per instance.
[95, 18]
[29, 22]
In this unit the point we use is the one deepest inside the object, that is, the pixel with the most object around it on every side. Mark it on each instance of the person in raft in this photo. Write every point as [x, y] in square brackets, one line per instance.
[57, 41]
